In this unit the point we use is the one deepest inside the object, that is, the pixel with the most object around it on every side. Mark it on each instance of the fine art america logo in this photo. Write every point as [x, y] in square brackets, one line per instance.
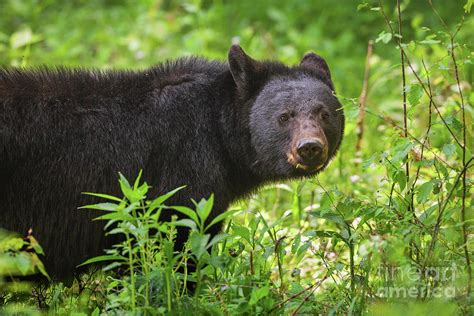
[413, 282]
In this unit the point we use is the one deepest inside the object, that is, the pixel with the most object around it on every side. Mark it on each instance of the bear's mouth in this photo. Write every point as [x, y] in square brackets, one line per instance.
[308, 168]
[304, 167]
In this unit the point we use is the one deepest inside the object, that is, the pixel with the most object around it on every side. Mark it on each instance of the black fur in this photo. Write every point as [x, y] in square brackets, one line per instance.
[209, 125]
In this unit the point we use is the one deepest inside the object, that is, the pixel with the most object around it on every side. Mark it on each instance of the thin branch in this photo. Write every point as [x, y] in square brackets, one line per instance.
[402, 59]
[279, 305]
[411, 206]
[441, 212]
[464, 186]
[392, 122]
[427, 92]
[295, 312]
[407, 60]
[430, 112]
[463, 147]
[362, 103]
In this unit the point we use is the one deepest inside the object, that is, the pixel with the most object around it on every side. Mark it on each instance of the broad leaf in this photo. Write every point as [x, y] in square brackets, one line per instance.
[102, 259]
[198, 243]
[186, 211]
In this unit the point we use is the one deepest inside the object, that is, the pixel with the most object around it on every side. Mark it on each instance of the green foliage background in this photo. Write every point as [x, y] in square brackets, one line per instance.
[354, 218]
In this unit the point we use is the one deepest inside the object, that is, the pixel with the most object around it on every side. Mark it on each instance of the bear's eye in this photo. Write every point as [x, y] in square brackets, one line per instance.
[284, 117]
[325, 116]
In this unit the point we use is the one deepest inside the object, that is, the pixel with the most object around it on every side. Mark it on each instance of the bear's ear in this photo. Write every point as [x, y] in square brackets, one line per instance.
[317, 63]
[241, 66]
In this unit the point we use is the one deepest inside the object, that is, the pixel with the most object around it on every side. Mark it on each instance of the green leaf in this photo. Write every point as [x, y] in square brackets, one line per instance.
[124, 184]
[401, 150]
[326, 203]
[361, 6]
[241, 231]
[23, 263]
[102, 259]
[415, 94]
[453, 122]
[204, 208]
[198, 243]
[326, 233]
[115, 216]
[186, 211]
[351, 110]
[333, 217]
[186, 223]
[424, 191]
[258, 294]
[137, 180]
[467, 7]
[40, 266]
[12, 244]
[302, 250]
[429, 42]
[103, 196]
[217, 238]
[384, 37]
[401, 179]
[222, 217]
[449, 150]
[296, 208]
[133, 195]
[161, 199]
[426, 215]
[101, 206]
[296, 243]
[96, 312]
[36, 246]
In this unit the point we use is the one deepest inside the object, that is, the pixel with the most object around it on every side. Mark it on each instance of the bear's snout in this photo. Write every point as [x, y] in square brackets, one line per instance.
[309, 147]
[309, 154]
[309, 150]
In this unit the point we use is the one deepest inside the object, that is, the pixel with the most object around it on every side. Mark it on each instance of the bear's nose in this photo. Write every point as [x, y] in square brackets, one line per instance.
[309, 149]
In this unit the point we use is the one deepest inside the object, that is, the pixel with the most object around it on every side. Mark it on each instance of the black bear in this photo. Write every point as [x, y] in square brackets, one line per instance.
[222, 128]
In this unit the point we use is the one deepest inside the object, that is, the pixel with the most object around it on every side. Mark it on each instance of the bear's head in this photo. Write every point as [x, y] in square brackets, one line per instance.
[295, 121]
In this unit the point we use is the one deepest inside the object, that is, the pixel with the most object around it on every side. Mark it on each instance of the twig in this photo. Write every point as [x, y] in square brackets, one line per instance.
[362, 103]
[350, 242]
[277, 254]
[430, 112]
[404, 92]
[423, 86]
[464, 144]
[411, 207]
[418, 77]
[279, 305]
[392, 122]
[308, 296]
[464, 187]
[441, 212]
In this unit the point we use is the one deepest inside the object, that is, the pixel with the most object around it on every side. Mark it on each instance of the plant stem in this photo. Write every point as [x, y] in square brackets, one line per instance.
[132, 272]
[362, 103]
[168, 290]
[351, 261]
[441, 212]
[464, 186]
[404, 92]
[198, 277]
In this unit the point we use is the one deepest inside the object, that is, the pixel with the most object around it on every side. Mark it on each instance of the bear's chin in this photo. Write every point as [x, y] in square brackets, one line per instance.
[300, 173]
[290, 172]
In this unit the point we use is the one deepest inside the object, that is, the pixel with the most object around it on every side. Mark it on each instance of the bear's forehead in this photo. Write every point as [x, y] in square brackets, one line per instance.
[301, 91]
